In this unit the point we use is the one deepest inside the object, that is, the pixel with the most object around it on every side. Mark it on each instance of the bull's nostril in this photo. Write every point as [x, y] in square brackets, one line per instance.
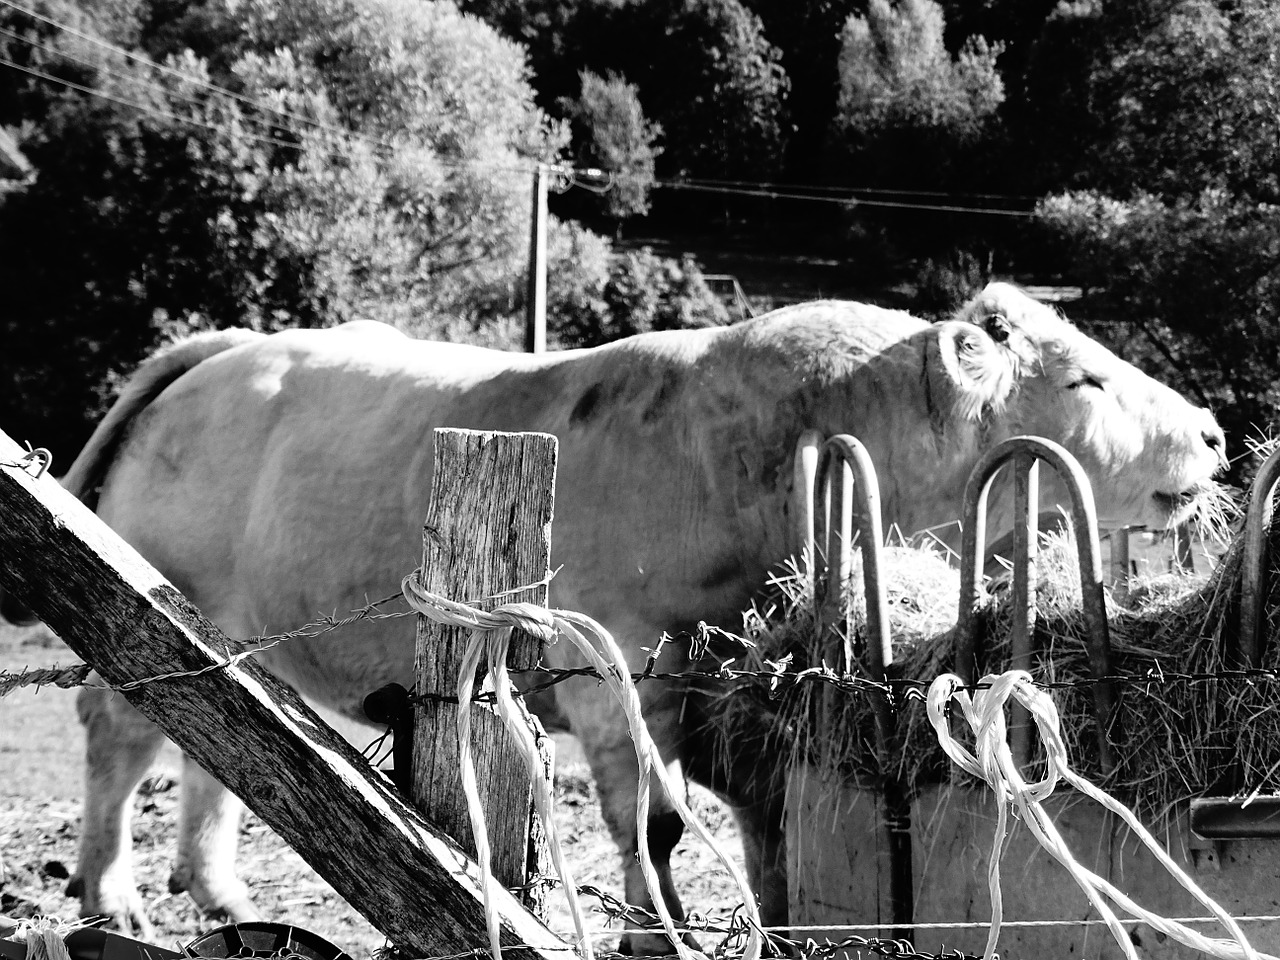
[1215, 441]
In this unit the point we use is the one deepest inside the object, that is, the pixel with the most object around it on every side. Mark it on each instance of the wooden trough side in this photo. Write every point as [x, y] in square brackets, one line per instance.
[838, 873]
[245, 727]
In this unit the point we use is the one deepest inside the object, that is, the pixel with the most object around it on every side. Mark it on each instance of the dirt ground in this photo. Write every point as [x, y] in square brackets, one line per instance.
[41, 756]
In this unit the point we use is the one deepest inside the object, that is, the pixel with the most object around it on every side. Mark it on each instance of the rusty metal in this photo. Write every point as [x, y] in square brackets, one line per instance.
[1253, 580]
[1231, 818]
[844, 467]
[1019, 453]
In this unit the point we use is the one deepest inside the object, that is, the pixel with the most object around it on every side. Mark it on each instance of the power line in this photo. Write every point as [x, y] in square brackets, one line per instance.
[341, 132]
[155, 111]
[767, 190]
[850, 201]
[179, 75]
[821, 188]
[111, 71]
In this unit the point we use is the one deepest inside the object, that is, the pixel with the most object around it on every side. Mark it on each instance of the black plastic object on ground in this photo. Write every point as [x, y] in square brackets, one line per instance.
[237, 941]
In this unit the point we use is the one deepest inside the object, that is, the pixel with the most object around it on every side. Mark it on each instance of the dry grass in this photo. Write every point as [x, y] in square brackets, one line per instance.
[1177, 739]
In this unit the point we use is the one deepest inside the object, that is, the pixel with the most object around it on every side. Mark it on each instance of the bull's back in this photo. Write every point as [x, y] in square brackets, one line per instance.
[276, 483]
[290, 478]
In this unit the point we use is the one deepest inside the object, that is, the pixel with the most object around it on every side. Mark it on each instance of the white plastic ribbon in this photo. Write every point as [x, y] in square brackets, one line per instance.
[994, 763]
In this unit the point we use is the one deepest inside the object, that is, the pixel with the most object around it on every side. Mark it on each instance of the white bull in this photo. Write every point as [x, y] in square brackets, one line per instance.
[273, 477]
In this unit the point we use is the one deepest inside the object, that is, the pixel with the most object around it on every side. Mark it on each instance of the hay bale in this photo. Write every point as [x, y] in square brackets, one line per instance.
[1181, 738]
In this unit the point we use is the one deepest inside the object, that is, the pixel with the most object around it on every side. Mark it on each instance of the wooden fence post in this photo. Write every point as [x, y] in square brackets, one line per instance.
[487, 534]
[245, 727]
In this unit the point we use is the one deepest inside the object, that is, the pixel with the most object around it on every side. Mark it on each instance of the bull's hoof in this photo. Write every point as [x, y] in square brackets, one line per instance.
[124, 912]
[231, 906]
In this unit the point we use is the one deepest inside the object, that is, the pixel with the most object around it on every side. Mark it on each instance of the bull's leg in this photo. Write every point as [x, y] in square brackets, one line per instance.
[207, 831]
[764, 848]
[596, 719]
[120, 744]
[615, 771]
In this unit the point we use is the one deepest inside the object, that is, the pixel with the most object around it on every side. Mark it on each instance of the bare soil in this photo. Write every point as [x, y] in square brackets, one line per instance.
[41, 757]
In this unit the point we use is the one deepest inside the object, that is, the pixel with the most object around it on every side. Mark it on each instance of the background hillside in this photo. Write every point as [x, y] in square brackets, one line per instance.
[170, 165]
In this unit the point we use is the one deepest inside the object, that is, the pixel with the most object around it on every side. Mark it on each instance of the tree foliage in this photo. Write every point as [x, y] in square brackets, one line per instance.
[719, 91]
[906, 105]
[704, 69]
[1180, 233]
[612, 134]
[375, 163]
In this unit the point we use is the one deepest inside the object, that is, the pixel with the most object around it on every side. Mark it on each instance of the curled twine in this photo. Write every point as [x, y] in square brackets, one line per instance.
[490, 635]
[994, 763]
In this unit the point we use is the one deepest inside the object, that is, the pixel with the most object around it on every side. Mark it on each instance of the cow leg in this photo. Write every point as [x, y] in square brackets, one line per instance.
[616, 776]
[208, 824]
[764, 848]
[120, 745]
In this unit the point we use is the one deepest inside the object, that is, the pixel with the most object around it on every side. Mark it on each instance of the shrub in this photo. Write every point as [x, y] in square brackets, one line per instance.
[641, 292]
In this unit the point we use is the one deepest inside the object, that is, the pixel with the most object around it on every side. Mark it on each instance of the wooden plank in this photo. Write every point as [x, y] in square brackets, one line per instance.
[245, 727]
[487, 533]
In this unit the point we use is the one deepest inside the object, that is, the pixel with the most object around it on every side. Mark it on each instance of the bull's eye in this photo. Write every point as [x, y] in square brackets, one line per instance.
[998, 328]
[1086, 381]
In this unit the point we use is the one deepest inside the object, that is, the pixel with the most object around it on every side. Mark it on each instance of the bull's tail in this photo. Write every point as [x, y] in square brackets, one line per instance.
[151, 377]
[148, 381]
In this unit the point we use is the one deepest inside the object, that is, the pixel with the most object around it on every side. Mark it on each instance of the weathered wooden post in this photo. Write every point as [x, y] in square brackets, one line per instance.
[245, 727]
[486, 541]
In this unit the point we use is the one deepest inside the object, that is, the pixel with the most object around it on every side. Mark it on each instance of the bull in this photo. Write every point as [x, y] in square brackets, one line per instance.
[270, 477]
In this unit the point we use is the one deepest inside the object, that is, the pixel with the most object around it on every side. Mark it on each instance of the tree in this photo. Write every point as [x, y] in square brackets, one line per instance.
[612, 134]
[376, 164]
[906, 107]
[719, 91]
[1180, 234]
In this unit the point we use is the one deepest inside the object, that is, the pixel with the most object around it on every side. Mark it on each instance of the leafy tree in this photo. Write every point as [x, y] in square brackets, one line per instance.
[704, 69]
[611, 134]
[379, 166]
[906, 106]
[640, 291]
[1054, 126]
[1198, 281]
[719, 91]
[1180, 235]
[807, 35]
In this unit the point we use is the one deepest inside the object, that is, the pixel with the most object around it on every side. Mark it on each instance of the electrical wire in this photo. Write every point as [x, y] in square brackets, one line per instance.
[848, 197]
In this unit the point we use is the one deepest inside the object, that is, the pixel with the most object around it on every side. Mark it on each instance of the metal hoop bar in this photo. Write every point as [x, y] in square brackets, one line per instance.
[1253, 580]
[1026, 499]
[843, 460]
[1085, 521]
[845, 457]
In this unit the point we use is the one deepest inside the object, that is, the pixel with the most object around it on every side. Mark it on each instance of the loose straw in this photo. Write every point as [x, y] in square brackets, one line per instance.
[984, 712]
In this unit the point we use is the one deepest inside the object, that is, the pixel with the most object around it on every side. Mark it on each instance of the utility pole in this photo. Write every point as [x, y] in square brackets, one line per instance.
[535, 331]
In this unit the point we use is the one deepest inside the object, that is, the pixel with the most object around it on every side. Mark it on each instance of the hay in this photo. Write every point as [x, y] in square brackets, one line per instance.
[1178, 739]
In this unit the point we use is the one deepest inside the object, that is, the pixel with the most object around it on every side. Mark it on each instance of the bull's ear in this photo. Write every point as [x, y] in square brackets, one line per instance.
[967, 371]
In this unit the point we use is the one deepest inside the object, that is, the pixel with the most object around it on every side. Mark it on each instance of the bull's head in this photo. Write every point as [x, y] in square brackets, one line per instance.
[1017, 367]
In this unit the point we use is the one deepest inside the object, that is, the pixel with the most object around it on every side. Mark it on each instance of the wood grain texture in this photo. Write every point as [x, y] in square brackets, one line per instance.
[487, 533]
[244, 726]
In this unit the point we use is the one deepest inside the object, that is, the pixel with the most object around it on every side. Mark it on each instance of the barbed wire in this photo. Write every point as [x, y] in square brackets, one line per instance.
[776, 677]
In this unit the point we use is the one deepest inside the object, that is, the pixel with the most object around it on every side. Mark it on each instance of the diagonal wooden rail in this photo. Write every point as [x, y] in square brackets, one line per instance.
[245, 727]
